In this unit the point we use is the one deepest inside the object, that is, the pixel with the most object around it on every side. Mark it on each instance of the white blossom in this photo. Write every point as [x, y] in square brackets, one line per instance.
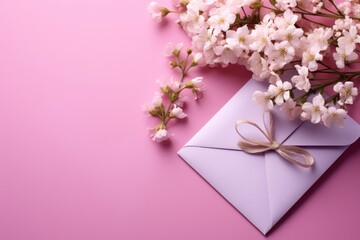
[157, 100]
[239, 40]
[192, 21]
[258, 65]
[301, 81]
[343, 24]
[169, 83]
[290, 109]
[349, 39]
[319, 37]
[221, 19]
[317, 5]
[280, 54]
[155, 10]
[197, 84]
[315, 110]
[288, 19]
[280, 41]
[346, 91]
[334, 115]
[178, 112]
[261, 38]
[181, 100]
[345, 7]
[285, 4]
[310, 58]
[205, 40]
[172, 49]
[281, 91]
[356, 10]
[341, 56]
[197, 58]
[226, 53]
[160, 135]
[290, 34]
[263, 99]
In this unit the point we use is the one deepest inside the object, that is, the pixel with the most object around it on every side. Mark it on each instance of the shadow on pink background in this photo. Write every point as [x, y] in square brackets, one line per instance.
[75, 158]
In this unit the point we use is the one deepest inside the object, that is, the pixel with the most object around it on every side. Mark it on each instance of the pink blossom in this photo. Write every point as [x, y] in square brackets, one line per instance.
[155, 10]
[197, 84]
[172, 49]
[178, 112]
[264, 99]
[169, 83]
[226, 53]
[334, 115]
[157, 100]
[290, 109]
[160, 135]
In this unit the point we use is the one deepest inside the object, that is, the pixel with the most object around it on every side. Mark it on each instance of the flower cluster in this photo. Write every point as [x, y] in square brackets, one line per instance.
[315, 40]
[168, 103]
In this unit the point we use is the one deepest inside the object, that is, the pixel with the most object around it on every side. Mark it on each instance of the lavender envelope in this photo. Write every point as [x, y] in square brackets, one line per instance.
[263, 187]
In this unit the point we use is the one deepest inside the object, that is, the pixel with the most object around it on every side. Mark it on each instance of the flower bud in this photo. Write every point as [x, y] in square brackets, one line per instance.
[177, 112]
[197, 59]
[176, 52]
[153, 112]
[256, 5]
[165, 90]
[196, 83]
[193, 64]
[184, 3]
[161, 134]
[173, 64]
[164, 11]
[157, 100]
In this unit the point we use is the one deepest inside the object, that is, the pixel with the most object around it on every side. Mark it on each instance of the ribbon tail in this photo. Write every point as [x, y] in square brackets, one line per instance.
[296, 155]
[252, 148]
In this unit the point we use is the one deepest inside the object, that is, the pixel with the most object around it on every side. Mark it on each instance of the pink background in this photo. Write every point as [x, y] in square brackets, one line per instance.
[75, 158]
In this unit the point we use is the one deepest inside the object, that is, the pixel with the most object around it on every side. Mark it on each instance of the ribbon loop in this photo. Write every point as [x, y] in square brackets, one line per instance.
[292, 154]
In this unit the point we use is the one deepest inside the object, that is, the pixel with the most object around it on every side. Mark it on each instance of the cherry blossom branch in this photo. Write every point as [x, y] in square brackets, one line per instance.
[313, 38]
[167, 104]
[336, 7]
[309, 20]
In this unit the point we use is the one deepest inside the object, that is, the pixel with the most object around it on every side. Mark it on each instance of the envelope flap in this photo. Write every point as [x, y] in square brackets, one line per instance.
[310, 134]
[220, 132]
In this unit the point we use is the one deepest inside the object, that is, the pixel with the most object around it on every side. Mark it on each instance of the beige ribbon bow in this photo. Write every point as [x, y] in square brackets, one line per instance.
[290, 153]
